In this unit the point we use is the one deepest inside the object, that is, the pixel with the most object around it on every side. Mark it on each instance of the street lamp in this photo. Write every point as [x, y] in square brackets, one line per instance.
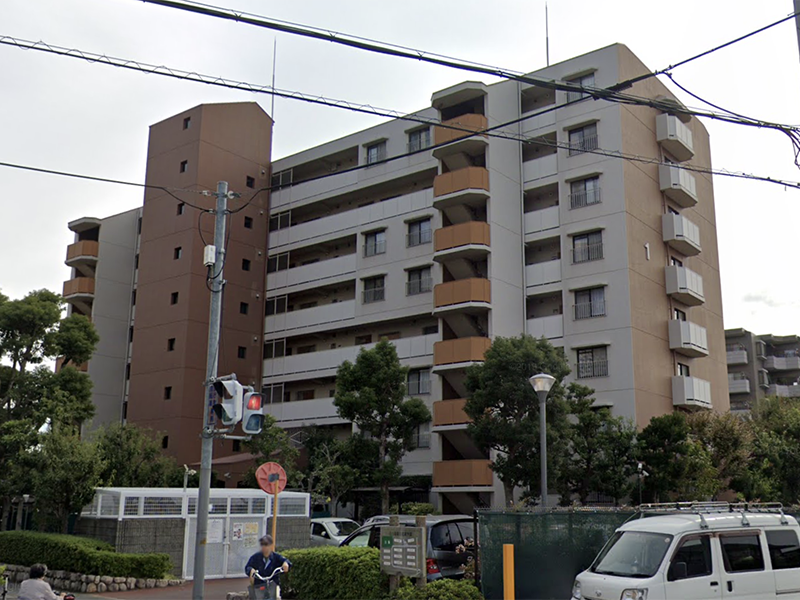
[542, 384]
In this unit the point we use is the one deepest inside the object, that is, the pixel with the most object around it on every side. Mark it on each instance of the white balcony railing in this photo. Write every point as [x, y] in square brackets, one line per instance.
[311, 317]
[419, 286]
[584, 198]
[373, 295]
[691, 392]
[587, 144]
[302, 413]
[678, 184]
[680, 233]
[594, 368]
[687, 338]
[373, 248]
[782, 363]
[675, 136]
[319, 271]
[587, 310]
[587, 252]
[417, 238]
[685, 285]
[784, 391]
[543, 273]
[737, 356]
[537, 168]
[542, 220]
[551, 327]
[738, 384]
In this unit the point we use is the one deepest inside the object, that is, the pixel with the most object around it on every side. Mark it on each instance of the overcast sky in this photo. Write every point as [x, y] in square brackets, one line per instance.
[65, 114]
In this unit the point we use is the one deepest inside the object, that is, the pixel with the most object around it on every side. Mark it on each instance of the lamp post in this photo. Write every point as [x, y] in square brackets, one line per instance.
[542, 384]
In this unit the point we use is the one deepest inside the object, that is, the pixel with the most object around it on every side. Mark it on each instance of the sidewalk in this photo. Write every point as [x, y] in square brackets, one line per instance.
[216, 589]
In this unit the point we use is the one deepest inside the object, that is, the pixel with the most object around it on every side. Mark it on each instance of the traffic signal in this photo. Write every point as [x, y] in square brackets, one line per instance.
[228, 408]
[253, 419]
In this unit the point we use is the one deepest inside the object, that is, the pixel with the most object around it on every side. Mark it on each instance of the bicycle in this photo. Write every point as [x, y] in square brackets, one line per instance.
[262, 590]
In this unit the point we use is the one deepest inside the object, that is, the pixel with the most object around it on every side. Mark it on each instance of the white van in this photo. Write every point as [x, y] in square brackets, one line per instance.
[698, 551]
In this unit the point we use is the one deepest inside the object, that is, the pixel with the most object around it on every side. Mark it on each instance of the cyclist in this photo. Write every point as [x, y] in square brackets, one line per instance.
[265, 563]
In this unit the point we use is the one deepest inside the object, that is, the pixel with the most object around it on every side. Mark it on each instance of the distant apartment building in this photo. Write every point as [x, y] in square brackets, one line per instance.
[613, 260]
[760, 366]
[140, 277]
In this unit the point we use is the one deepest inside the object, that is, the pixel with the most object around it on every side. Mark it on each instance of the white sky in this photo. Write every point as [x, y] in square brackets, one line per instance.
[69, 115]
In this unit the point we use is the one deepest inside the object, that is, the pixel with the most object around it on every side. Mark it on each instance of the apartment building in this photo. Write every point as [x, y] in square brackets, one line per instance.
[760, 366]
[613, 260]
[140, 277]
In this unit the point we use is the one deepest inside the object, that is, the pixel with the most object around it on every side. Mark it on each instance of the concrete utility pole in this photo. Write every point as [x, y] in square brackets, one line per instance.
[216, 283]
[797, 20]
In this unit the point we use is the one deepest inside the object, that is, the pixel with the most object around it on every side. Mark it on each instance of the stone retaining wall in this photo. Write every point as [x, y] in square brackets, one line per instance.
[89, 584]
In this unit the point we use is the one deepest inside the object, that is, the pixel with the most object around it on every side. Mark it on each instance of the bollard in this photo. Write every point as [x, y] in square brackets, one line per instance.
[508, 572]
[422, 521]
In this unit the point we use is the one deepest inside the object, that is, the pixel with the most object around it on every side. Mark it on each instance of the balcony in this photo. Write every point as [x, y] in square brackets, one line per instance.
[542, 220]
[585, 143]
[468, 240]
[305, 413]
[550, 328]
[691, 392]
[684, 285]
[588, 369]
[688, 338]
[320, 271]
[678, 184]
[462, 293]
[587, 252]
[419, 286]
[674, 136]
[79, 288]
[784, 391]
[460, 350]
[737, 356]
[538, 168]
[461, 140]
[83, 256]
[373, 295]
[466, 185]
[738, 384]
[450, 412]
[83, 367]
[418, 238]
[543, 273]
[307, 318]
[585, 198]
[782, 363]
[462, 473]
[681, 234]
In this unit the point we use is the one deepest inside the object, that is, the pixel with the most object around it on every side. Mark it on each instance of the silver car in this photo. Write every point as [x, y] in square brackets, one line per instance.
[331, 531]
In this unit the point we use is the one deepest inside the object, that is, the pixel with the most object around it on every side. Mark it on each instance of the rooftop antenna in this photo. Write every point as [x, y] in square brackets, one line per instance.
[547, 33]
[274, 57]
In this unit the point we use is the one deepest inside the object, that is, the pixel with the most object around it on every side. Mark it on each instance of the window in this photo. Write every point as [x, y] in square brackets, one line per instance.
[587, 247]
[279, 262]
[374, 290]
[248, 222]
[173, 298]
[422, 437]
[139, 226]
[590, 303]
[419, 139]
[318, 530]
[419, 281]
[273, 394]
[187, 122]
[281, 179]
[184, 166]
[679, 315]
[276, 306]
[695, 553]
[419, 232]
[363, 339]
[304, 394]
[241, 352]
[168, 392]
[632, 554]
[236, 446]
[274, 348]
[136, 261]
[245, 264]
[446, 536]
[583, 139]
[181, 208]
[376, 153]
[374, 243]
[584, 192]
[683, 370]
[250, 182]
[783, 549]
[308, 349]
[244, 308]
[593, 362]
[419, 382]
[133, 298]
[430, 330]
[130, 334]
[391, 335]
[165, 442]
[583, 81]
[177, 253]
[280, 221]
[171, 345]
[741, 553]
[127, 371]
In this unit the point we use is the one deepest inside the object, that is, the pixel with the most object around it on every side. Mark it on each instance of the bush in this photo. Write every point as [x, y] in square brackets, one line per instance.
[442, 589]
[330, 573]
[78, 555]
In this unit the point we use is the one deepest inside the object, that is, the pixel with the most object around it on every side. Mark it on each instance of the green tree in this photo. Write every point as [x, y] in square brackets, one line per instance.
[663, 448]
[333, 475]
[273, 444]
[133, 458]
[505, 410]
[618, 460]
[372, 393]
[727, 439]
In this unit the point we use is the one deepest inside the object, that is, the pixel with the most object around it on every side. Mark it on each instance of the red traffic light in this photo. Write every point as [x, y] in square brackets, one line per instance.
[254, 402]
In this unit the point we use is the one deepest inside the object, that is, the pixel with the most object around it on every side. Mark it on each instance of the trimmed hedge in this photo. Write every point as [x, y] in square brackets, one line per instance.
[330, 573]
[78, 555]
[442, 589]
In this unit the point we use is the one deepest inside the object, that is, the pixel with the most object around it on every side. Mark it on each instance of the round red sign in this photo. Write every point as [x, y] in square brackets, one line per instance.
[271, 478]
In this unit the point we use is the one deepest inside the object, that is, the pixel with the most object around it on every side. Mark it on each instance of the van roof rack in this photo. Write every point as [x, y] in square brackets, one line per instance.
[703, 508]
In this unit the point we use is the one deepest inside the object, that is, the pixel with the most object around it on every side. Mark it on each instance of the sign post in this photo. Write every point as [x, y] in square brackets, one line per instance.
[272, 479]
[403, 551]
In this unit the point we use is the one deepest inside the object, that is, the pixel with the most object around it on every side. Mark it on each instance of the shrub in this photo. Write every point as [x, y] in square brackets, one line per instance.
[330, 573]
[442, 589]
[78, 555]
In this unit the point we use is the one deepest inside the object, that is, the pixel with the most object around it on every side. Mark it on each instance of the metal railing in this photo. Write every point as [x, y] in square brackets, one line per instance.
[738, 377]
[419, 144]
[595, 368]
[373, 248]
[586, 144]
[589, 252]
[421, 440]
[584, 198]
[419, 286]
[419, 387]
[374, 295]
[417, 238]
[574, 95]
[587, 310]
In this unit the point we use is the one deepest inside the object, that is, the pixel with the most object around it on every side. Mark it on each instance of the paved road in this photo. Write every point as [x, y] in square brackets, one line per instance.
[215, 590]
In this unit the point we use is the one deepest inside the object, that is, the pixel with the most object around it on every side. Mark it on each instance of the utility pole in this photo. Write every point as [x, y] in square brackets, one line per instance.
[216, 283]
[797, 20]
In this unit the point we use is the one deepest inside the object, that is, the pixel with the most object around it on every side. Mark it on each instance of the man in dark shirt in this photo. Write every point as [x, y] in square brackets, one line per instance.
[264, 564]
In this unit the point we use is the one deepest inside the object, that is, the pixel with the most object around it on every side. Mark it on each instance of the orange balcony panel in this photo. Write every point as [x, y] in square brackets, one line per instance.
[462, 473]
[86, 248]
[464, 290]
[450, 412]
[463, 234]
[60, 363]
[463, 179]
[78, 285]
[442, 135]
[468, 349]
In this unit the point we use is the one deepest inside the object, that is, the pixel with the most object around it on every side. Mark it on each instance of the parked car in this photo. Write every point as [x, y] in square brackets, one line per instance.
[445, 534]
[704, 551]
[331, 531]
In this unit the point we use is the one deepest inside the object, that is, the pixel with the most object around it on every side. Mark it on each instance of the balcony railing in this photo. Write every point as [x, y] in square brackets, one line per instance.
[373, 295]
[691, 392]
[463, 234]
[587, 310]
[738, 383]
[419, 286]
[550, 327]
[474, 289]
[461, 350]
[586, 144]
[462, 473]
[674, 136]
[463, 179]
[472, 122]
[450, 412]
[594, 368]
[687, 338]
[373, 248]
[416, 388]
[78, 286]
[737, 356]
[417, 238]
[589, 252]
[584, 198]
[83, 249]
[684, 285]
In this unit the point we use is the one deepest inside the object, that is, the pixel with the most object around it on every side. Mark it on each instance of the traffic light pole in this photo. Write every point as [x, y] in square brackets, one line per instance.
[216, 283]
